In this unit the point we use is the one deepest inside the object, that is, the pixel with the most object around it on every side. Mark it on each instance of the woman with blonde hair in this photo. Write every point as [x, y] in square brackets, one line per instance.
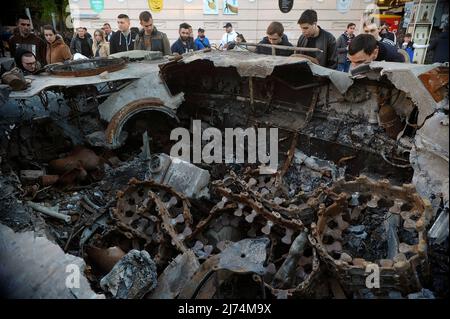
[100, 47]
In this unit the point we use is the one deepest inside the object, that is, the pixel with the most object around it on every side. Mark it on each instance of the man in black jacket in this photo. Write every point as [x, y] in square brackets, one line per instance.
[385, 33]
[440, 46]
[365, 49]
[81, 44]
[314, 36]
[276, 36]
[123, 39]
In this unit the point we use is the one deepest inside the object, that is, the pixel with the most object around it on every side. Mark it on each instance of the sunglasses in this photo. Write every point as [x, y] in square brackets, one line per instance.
[25, 24]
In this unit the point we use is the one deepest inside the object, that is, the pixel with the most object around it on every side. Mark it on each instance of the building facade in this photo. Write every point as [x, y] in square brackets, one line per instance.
[251, 19]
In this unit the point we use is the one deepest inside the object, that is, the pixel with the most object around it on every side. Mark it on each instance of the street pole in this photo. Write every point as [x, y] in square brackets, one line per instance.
[54, 20]
[28, 13]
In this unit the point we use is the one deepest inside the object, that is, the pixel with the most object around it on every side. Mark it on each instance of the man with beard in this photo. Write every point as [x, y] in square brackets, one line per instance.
[228, 37]
[184, 43]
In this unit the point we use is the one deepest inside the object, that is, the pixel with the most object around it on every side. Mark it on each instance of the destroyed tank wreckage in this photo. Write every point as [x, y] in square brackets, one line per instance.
[362, 180]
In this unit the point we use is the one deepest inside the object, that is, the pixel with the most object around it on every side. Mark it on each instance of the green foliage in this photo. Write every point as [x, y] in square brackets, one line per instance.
[47, 7]
[43, 9]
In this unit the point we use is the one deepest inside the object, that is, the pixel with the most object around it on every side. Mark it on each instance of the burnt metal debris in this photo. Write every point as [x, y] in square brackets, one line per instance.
[361, 187]
[373, 222]
[87, 67]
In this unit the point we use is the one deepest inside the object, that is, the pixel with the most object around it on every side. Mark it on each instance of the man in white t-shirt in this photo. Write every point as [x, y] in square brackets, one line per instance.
[229, 36]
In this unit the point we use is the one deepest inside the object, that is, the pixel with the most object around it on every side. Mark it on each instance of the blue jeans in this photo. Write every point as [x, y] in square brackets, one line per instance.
[343, 67]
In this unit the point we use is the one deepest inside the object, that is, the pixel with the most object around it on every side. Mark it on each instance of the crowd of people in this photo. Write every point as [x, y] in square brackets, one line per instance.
[376, 43]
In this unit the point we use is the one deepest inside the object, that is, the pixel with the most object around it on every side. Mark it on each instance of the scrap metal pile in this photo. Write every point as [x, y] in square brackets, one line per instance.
[253, 238]
[284, 244]
[99, 190]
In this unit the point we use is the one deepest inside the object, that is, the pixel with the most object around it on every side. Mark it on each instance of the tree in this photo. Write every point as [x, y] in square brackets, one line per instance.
[41, 11]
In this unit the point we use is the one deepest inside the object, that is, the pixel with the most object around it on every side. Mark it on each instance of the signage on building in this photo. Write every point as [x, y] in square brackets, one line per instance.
[210, 7]
[408, 12]
[97, 5]
[343, 6]
[230, 7]
[285, 5]
[155, 5]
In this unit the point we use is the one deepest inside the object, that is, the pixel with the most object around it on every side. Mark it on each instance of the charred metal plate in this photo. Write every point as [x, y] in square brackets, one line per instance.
[87, 67]
[435, 80]
[245, 256]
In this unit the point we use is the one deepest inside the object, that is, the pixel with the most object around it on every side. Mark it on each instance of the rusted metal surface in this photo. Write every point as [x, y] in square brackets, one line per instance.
[141, 213]
[87, 67]
[388, 118]
[435, 80]
[272, 217]
[146, 94]
[160, 216]
[167, 223]
[291, 151]
[248, 203]
[15, 79]
[262, 193]
[119, 119]
[335, 234]
[77, 166]
[298, 286]
[105, 259]
[404, 76]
